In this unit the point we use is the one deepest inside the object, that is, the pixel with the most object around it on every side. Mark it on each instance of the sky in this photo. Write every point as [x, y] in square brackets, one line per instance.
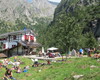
[29, 0]
[48, 0]
[55, 0]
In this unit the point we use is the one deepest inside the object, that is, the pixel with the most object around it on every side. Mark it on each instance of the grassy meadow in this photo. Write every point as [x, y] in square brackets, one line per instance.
[61, 70]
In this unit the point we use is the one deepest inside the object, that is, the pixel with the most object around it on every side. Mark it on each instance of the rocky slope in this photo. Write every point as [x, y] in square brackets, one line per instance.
[10, 10]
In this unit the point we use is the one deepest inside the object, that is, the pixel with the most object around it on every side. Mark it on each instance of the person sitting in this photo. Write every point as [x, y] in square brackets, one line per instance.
[96, 55]
[48, 62]
[25, 70]
[15, 58]
[42, 64]
[16, 64]
[13, 68]
[59, 54]
[27, 67]
[36, 63]
[0, 65]
[5, 62]
[8, 74]
[18, 70]
[51, 55]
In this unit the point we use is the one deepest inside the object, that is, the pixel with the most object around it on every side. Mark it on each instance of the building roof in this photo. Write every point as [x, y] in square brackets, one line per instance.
[17, 33]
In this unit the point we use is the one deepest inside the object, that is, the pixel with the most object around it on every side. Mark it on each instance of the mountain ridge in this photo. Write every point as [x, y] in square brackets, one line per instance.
[12, 9]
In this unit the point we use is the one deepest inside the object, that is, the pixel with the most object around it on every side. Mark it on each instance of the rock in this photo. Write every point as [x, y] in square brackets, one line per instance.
[98, 60]
[40, 70]
[77, 76]
[28, 75]
[93, 66]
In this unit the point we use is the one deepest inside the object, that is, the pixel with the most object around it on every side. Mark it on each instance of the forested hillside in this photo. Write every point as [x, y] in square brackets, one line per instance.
[37, 25]
[76, 24]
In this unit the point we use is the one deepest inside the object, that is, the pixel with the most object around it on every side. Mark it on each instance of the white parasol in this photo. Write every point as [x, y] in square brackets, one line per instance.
[52, 48]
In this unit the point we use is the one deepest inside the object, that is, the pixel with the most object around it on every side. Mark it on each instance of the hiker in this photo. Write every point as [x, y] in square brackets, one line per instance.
[40, 53]
[80, 52]
[94, 50]
[89, 52]
[8, 74]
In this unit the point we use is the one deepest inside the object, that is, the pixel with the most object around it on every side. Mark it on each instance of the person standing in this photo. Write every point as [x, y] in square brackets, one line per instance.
[89, 52]
[80, 52]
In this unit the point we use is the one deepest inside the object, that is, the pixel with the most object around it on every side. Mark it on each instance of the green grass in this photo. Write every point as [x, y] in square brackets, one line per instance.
[60, 70]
